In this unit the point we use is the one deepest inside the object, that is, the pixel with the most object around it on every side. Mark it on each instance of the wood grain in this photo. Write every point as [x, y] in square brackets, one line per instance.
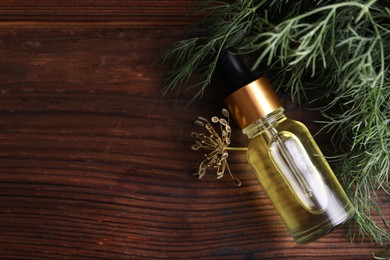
[95, 164]
[144, 13]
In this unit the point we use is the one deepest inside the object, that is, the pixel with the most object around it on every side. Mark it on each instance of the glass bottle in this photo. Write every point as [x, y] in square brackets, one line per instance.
[284, 156]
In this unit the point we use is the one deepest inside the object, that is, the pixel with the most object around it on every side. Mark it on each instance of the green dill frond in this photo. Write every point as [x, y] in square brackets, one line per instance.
[201, 54]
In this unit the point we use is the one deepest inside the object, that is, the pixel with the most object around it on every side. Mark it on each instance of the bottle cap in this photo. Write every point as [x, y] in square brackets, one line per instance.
[250, 99]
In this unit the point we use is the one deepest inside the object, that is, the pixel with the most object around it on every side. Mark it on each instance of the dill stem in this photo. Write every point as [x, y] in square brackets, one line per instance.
[236, 148]
[324, 8]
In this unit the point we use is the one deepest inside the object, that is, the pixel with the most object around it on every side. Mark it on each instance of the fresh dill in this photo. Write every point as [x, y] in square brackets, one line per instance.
[340, 49]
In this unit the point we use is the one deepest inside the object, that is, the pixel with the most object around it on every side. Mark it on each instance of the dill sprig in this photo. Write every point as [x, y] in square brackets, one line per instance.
[217, 145]
[335, 51]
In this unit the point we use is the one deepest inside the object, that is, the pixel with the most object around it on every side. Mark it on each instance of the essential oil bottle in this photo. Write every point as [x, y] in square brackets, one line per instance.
[284, 156]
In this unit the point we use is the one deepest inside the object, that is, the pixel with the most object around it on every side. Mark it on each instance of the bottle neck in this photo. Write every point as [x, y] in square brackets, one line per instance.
[263, 123]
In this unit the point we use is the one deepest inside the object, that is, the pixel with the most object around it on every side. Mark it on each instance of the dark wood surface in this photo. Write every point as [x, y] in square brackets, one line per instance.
[95, 164]
[100, 13]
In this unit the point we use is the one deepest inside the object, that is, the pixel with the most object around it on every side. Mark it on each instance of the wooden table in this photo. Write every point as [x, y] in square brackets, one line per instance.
[96, 164]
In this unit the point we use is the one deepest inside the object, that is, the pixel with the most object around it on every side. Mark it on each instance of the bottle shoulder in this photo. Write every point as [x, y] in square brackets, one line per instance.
[291, 124]
[286, 125]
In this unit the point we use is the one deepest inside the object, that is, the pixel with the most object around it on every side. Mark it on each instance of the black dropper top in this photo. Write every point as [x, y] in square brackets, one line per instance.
[234, 71]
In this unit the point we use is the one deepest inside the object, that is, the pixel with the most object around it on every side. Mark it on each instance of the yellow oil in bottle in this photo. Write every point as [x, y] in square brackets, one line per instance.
[284, 155]
[309, 207]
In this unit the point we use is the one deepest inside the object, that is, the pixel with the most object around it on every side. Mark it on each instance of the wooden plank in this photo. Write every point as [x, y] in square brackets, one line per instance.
[101, 13]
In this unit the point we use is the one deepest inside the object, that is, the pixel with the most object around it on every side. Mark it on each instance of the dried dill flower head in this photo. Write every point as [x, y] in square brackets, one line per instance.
[216, 142]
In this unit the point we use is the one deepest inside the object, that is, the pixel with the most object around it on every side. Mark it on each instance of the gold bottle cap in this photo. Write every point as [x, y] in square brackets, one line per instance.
[252, 102]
